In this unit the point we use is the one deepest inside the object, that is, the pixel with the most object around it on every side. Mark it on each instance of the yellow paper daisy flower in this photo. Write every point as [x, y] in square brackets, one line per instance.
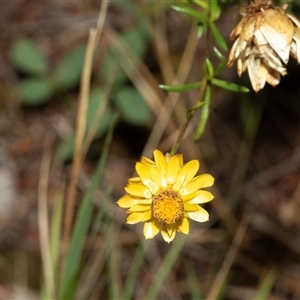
[165, 194]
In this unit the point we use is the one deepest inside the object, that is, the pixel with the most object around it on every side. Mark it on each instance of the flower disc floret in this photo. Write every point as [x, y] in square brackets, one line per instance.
[167, 207]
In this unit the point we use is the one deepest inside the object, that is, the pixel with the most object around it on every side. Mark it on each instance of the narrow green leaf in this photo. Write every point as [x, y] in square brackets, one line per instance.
[27, 57]
[165, 267]
[210, 68]
[190, 11]
[230, 86]
[203, 115]
[73, 260]
[214, 10]
[180, 88]
[112, 261]
[135, 267]
[34, 91]
[200, 30]
[266, 286]
[56, 229]
[222, 59]
[132, 106]
[218, 36]
[69, 279]
[200, 3]
[192, 281]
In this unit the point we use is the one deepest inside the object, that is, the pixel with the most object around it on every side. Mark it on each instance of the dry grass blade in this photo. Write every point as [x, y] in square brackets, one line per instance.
[180, 77]
[43, 221]
[81, 123]
[137, 71]
[100, 111]
[230, 257]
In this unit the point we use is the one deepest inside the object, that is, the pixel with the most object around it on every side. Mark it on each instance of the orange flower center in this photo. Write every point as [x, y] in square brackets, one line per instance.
[167, 207]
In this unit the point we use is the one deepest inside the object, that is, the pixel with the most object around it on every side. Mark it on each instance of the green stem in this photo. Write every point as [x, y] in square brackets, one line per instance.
[189, 116]
[191, 111]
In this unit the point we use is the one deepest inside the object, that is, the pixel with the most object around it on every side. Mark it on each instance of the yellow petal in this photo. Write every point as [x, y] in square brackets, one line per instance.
[135, 217]
[173, 169]
[150, 230]
[168, 157]
[201, 197]
[168, 237]
[134, 180]
[188, 207]
[147, 216]
[170, 229]
[160, 161]
[180, 158]
[144, 173]
[186, 174]
[201, 215]
[147, 161]
[199, 182]
[140, 207]
[138, 190]
[158, 178]
[184, 227]
[188, 197]
[126, 201]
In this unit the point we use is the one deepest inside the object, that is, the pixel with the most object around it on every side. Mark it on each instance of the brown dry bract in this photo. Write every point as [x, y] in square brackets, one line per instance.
[265, 38]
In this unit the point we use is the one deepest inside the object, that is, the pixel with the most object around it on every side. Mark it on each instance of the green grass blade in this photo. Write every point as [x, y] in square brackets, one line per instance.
[266, 286]
[101, 212]
[56, 225]
[113, 277]
[192, 281]
[134, 271]
[165, 267]
[73, 259]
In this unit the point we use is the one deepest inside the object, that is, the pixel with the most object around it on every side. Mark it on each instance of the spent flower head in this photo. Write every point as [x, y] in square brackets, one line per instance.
[265, 38]
[166, 194]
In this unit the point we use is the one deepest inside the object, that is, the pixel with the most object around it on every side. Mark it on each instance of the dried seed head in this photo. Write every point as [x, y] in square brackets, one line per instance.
[264, 40]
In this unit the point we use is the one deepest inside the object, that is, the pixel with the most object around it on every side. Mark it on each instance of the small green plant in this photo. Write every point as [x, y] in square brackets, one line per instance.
[41, 82]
